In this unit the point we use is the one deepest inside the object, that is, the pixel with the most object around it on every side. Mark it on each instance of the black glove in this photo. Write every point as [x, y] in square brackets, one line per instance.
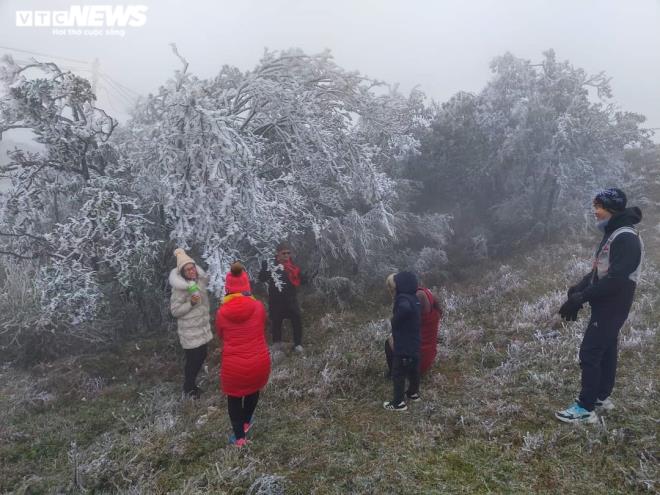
[569, 310]
[569, 316]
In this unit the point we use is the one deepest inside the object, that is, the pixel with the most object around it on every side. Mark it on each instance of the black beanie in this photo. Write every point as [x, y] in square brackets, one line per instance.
[612, 199]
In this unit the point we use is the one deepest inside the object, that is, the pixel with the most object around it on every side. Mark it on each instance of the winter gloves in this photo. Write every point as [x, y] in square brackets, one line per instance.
[569, 310]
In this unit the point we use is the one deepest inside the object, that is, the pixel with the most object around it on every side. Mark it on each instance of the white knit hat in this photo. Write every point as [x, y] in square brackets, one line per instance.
[182, 259]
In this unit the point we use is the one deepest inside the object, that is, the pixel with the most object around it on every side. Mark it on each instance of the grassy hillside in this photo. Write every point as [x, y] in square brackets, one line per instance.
[115, 423]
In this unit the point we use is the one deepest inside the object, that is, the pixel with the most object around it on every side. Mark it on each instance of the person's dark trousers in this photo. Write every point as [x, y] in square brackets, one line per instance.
[404, 367]
[278, 315]
[598, 360]
[241, 410]
[194, 360]
[388, 357]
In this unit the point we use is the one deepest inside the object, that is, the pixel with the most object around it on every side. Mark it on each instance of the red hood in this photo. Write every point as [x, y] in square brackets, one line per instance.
[239, 309]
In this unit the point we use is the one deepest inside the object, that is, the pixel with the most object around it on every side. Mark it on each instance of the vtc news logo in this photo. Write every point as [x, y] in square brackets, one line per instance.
[85, 16]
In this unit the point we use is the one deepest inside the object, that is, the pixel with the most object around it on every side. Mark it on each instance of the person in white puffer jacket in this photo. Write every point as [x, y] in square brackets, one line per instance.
[189, 304]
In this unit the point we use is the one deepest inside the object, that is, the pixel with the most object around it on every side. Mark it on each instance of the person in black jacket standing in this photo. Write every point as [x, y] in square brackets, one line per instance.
[282, 295]
[406, 321]
[609, 289]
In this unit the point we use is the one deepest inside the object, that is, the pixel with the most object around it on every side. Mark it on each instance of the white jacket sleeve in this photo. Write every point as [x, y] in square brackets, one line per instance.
[179, 306]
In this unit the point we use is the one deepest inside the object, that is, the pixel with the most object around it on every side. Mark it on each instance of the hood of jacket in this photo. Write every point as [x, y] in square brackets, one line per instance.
[239, 309]
[406, 283]
[625, 218]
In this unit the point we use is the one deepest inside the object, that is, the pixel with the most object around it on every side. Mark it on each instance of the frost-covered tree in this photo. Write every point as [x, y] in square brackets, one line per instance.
[295, 147]
[529, 150]
[69, 207]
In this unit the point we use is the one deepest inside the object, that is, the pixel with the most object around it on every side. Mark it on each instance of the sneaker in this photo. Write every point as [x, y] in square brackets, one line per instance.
[576, 414]
[247, 426]
[299, 349]
[237, 442]
[604, 404]
[414, 397]
[391, 406]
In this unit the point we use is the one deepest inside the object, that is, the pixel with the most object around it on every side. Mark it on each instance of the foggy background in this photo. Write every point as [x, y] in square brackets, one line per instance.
[442, 46]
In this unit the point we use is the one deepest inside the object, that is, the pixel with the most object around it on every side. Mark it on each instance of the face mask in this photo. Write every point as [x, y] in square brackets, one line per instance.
[600, 225]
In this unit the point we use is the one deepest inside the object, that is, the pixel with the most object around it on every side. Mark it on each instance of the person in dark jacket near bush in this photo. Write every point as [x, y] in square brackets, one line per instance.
[609, 289]
[406, 321]
[431, 316]
[282, 295]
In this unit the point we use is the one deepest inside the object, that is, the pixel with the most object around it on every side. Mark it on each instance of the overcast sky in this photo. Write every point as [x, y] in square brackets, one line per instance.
[442, 46]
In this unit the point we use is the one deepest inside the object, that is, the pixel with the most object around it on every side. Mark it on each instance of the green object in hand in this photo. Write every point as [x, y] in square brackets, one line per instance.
[193, 288]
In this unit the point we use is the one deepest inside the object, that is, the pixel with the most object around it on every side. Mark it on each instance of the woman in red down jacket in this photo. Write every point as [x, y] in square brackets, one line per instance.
[431, 316]
[241, 324]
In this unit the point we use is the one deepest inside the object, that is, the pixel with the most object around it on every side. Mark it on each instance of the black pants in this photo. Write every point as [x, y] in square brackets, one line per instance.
[279, 313]
[194, 361]
[241, 410]
[598, 359]
[404, 367]
[389, 354]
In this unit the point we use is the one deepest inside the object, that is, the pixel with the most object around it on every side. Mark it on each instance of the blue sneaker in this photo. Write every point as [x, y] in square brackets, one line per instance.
[576, 414]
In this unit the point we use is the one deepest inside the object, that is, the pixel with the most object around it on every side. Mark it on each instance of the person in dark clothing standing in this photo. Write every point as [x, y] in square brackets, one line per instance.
[431, 315]
[609, 289]
[283, 278]
[406, 321]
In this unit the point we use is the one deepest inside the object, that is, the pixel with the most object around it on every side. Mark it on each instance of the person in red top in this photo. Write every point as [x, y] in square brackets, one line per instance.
[241, 324]
[282, 294]
[431, 317]
[430, 323]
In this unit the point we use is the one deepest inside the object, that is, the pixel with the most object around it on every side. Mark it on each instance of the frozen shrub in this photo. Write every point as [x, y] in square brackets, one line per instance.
[540, 311]
[267, 485]
[452, 302]
[532, 442]
[636, 338]
[576, 268]
[430, 260]
[69, 293]
[479, 246]
[338, 290]
[497, 285]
